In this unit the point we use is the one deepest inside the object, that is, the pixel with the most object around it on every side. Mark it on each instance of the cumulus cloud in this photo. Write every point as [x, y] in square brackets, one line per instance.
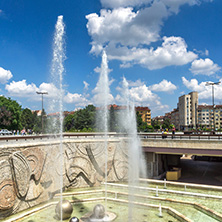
[173, 5]
[172, 52]
[77, 99]
[5, 75]
[142, 95]
[137, 83]
[205, 92]
[204, 67]
[127, 33]
[21, 88]
[123, 3]
[163, 86]
[126, 27]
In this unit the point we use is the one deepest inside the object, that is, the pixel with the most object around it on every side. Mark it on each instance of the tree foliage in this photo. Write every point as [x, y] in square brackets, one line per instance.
[166, 123]
[83, 119]
[155, 124]
[113, 126]
[27, 119]
[10, 114]
[142, 126]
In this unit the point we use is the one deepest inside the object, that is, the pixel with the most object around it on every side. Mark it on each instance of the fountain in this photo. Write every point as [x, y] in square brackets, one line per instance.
[137, 166]
[30, 173]
[103, 102]
[56, 106]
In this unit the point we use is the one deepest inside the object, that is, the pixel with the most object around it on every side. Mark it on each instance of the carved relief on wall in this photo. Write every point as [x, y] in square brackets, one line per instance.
[120, 161]
[26, 178]
[86, 161]
[19, 179]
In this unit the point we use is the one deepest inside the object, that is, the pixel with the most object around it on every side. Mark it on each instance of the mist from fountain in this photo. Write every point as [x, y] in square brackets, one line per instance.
[103, 93]
[137, 166]
[56, 105]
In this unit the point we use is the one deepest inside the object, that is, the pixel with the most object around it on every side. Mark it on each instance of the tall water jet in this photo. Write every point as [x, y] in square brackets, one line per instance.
[57, 71]
[103, 93]
[137, 166]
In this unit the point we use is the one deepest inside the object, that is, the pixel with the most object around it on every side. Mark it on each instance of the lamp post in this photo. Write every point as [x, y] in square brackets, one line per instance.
[212, 84]
[42, 93]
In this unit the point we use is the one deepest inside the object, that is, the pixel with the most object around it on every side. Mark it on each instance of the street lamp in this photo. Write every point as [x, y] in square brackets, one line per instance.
[42, 93]
[212, 84]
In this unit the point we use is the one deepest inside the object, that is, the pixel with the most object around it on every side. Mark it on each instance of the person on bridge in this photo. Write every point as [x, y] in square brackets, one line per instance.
[173, 132]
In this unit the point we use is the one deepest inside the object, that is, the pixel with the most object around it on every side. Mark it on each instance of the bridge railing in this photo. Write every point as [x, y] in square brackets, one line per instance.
[168, 136]
[181, 136]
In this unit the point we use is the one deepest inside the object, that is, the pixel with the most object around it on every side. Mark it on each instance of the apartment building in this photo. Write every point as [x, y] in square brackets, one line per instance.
[209, 116]
[188, 105]
[175, 118]
[145, 113]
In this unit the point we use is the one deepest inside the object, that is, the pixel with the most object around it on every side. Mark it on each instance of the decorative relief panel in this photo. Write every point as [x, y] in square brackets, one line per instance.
[30, 176]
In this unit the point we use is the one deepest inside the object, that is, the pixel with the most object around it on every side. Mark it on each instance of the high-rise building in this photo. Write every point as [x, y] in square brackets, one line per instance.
[188, 105]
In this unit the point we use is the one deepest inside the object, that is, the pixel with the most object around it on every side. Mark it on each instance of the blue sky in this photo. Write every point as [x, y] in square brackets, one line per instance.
[164, 48]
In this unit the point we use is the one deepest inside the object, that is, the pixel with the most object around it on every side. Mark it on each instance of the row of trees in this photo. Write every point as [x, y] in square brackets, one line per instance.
[165, 125]
[89, 119]
[13, 117]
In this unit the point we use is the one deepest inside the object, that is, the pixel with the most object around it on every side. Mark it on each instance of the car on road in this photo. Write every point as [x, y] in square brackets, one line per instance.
[5, 132]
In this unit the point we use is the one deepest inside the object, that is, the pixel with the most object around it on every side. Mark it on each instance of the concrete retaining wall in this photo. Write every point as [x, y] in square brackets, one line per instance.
[31, 173]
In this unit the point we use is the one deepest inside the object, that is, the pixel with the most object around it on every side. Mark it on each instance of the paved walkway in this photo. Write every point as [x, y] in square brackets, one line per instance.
[201, 172]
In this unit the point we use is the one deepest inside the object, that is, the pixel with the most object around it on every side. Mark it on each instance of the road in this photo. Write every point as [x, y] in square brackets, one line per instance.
[201, 172]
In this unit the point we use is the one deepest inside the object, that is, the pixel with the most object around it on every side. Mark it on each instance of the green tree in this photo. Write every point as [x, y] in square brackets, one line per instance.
[37, 127]
[166, 123]
[112, 120]
[155, 124]
[81, 119]
[10, 114]
[142, 126]
[69, 122]
[27, 119]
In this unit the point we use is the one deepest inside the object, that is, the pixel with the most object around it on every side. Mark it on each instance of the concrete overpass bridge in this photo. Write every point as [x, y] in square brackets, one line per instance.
[206, 146]
[196, 144]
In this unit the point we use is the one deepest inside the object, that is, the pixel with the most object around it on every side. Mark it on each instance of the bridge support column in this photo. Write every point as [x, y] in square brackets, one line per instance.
[152, 161]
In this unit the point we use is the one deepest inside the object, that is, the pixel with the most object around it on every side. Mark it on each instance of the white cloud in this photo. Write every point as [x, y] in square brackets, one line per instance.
[123, 3]
[142, 95]
[172, 52]
[204, 67]
[172, 4]
[163, 86]
[128, 32]
[138, 82]
[53, 92]
[118, 26]
[205, 92]
[126, 27]
[175, 5]
[202, 53]
[21, 88]
[77, 99]
[5, 75]
[86, 85]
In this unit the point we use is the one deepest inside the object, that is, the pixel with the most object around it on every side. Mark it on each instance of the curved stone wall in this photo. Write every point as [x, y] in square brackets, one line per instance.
[30, 173]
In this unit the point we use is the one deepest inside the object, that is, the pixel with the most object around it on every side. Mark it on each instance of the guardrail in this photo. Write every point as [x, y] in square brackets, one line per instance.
[110, 135]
